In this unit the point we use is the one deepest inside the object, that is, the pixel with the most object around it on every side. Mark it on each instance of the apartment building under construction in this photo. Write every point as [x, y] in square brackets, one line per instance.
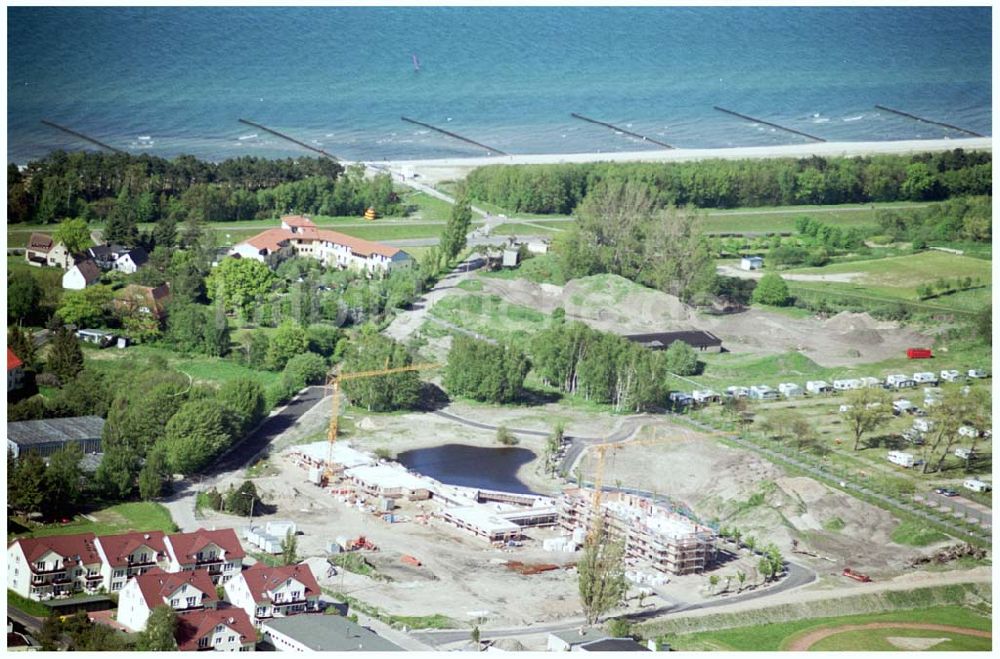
[666, 541]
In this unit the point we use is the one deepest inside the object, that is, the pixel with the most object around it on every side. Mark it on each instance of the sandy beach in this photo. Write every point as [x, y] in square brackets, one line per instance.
[444, 169]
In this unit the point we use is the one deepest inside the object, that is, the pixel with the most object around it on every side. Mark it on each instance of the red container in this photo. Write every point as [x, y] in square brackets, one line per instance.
[918, 353]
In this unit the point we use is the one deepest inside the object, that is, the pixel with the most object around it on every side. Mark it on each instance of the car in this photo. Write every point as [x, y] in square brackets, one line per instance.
[944, 491]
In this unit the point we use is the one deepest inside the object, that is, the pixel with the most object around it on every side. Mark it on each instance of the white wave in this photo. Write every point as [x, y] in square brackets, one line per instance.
[821, 120]
[857, 118]
[145, 138]
[247, 137]
[421, 132]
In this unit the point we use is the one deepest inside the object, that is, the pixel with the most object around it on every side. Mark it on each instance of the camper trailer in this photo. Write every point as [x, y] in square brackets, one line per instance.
[902, 459]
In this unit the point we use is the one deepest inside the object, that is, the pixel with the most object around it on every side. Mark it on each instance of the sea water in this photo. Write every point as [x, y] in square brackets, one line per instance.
[175, 80]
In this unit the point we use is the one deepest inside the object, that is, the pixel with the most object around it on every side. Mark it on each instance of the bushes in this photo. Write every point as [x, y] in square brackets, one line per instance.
[772, 290]
[485, 372]
[305, 369]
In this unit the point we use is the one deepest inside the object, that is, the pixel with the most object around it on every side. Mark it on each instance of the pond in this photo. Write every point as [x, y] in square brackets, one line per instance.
[471, 466]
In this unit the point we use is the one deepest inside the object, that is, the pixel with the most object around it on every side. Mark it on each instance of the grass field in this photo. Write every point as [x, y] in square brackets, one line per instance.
[200, 368]
[138, 516]
[490, 316]
[916, 534]
[778, 636]
[876, 640]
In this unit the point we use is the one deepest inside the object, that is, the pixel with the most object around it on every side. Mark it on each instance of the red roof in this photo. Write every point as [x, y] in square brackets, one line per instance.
[67, 546]
[117, 548]
[298, 221]
[187, 545]
[359, 246]
[194, 625]
[271, 240]
[40, 242]
[157, 585]
[13, 361]
[90, 271]
[261, 579]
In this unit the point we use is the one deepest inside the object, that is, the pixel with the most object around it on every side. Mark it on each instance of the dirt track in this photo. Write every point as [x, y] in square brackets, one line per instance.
[810, 639]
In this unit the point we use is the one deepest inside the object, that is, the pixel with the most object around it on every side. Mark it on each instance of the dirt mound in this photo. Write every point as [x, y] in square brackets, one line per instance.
[846, 320]
[863, 336]
[624, 304]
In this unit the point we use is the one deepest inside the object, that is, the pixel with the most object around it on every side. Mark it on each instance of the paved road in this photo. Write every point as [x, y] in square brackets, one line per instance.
[796, 577]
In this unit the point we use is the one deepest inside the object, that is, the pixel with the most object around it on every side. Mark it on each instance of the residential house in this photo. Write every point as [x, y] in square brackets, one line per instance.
[128, 555]
[299, 236]
[182, 591]
[15, 371]
[590, 640]
[267, 592]
[223, 629]
[320, 633]
[43, 250]
[218, 551]
[131, 260]
[46, 436]
[105, 256]
[80, 276]
[53, 566]
[612, 645]
[145, 299]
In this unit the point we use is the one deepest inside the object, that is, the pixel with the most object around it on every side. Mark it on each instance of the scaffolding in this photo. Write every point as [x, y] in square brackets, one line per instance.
[669, 542]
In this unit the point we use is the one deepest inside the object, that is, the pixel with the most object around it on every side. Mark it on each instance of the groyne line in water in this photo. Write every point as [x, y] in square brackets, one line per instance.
[768, 123]
[82, 136]
[621, 130]
[927, 121]
[289, 138]
[489, 149]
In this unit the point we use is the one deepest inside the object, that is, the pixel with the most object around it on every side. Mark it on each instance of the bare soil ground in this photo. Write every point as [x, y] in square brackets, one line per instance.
[614, 304]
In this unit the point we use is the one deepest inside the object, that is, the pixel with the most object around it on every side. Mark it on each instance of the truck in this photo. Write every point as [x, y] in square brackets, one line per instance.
[918, 353]
[902, 459]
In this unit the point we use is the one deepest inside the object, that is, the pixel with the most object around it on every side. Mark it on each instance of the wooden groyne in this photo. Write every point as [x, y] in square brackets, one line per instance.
[455, 135]
[82, 136]
[928, 121]
[644, 138]
[769, 123]
[289, 138]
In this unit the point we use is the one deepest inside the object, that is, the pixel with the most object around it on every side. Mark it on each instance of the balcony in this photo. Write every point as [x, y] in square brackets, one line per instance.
[206, 561]
[49, 570]
[96, 576]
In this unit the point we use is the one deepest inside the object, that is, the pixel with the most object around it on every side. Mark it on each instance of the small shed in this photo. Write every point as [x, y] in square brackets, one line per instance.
[751, 263]
[511, 257]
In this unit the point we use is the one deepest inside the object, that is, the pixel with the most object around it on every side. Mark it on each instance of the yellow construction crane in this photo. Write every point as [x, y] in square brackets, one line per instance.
[334, 381]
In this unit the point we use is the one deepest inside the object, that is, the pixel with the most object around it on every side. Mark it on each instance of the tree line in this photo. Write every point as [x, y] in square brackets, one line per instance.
[144, 188]
[737, 183]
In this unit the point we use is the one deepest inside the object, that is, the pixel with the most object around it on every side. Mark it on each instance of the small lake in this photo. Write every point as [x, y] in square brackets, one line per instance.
[471, 466]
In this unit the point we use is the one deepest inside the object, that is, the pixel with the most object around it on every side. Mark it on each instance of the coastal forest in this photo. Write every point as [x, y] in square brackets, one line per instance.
[559, 189]
[101, 186]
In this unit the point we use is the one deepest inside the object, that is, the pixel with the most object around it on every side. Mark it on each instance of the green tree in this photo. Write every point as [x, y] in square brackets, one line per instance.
[454, 235]
[681, 359]
[64, 480]
[240, 284]
[242, 501]
[165, 233]
[159, 635]
[305, 369]
[22, 342]
[121, 226]
[244, 397]
[26, 484]
[289, 547]
[601, 574]
[474, 636]
[984, 324]
[87, 307]
[74, 234]
[287, 341]
[23, 295]
[65, 358]
[372, 351]
[772, 290]
[116, 474]
[142, 407]
[506, 437]
[154, 474]
[868, 410]
[619, 628]
[484, 371]
[195, 434]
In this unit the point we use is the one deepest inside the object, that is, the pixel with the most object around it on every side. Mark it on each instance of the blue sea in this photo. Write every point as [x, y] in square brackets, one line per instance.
[174, 80]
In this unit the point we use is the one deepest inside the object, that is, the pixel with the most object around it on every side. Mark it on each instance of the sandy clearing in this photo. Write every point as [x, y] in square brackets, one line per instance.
[449, 169]
[810, 639]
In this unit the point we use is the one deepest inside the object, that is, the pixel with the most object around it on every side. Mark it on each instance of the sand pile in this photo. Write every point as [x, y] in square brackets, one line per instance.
[847, 321]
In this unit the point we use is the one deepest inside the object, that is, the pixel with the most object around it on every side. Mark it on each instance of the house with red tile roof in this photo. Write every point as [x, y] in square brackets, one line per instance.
[43, 250]
[225, 629]
[266, 592]
[299, 236]
[15, 371]
[54, 566]
[181, 591]
[130, 554]
[144, 299]
[218, 551]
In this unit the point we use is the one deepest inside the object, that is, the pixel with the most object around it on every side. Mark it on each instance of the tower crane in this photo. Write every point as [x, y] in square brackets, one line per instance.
[334, 380]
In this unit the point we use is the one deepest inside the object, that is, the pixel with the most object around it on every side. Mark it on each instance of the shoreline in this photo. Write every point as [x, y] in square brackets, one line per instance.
[434, 170]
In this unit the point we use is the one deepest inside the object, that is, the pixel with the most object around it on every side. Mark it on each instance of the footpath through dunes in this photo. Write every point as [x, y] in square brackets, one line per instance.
[811, 638]
[615, 304]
